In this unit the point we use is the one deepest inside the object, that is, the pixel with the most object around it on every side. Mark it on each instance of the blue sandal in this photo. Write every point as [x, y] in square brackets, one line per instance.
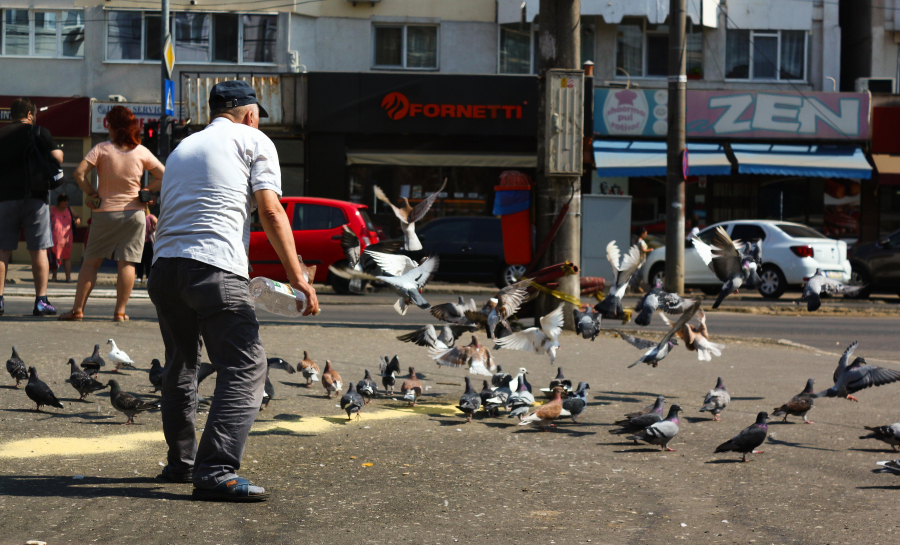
[237, 489]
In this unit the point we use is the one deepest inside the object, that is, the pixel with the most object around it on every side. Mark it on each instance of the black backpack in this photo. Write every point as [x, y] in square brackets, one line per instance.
[44, 172]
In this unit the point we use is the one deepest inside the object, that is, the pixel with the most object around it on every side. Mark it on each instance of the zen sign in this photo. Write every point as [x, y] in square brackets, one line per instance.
[735, 114]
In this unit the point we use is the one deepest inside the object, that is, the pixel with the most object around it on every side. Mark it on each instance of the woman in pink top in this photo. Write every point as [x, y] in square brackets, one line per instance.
[118, 224]
[62, 223]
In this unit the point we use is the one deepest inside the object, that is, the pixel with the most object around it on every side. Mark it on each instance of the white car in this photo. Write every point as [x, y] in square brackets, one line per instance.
[791, 254]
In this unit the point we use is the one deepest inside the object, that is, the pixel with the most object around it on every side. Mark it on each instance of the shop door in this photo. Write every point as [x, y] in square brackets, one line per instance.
[317, 235]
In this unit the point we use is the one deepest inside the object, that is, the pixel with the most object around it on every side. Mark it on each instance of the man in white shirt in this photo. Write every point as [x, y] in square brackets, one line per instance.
[199, 285]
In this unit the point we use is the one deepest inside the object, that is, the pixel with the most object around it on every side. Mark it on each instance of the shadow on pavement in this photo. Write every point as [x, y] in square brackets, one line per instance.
[89, 487]
[726, 461]
[797, 445]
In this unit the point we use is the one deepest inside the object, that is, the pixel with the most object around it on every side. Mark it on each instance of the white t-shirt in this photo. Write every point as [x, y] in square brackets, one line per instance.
[207, 194]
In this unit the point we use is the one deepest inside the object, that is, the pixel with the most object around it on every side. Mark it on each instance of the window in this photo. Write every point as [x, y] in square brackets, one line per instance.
[642, 49]
[446, 231]
[199, 38]
[31, 33]
[414, 47]
[747, 232]
[799, 231]
[765, 54]
[316, 217]
[518, 44]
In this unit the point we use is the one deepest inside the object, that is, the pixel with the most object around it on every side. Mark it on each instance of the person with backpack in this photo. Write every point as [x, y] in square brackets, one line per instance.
[29, 169]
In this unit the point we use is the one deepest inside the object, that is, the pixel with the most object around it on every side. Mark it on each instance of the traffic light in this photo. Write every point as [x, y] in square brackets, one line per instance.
[179, 133]
[151, 136]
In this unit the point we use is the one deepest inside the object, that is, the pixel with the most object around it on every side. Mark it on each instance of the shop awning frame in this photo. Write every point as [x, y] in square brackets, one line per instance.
[442, 159]
[813, 161]
[888, 167]
[634, 158]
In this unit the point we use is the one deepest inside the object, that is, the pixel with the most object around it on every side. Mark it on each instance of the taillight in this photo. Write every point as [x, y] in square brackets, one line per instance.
[803, 251]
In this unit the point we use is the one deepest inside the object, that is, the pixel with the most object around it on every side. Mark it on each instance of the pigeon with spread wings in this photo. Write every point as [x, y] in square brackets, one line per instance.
[696, 338]
[361, 261]
[454, 313]
[543, 339]
[611, 306]
[409, 215]
[819, 284]
[501, 307]
[408, 286]
[474, 355]
[430, 338]
[857, 376]
[725, 260]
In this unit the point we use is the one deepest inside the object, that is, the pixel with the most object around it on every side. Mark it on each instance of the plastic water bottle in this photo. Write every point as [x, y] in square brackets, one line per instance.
[276, 297]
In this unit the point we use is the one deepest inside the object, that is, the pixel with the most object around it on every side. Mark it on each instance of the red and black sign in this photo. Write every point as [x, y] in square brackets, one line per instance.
[366, 103]
[64, 117]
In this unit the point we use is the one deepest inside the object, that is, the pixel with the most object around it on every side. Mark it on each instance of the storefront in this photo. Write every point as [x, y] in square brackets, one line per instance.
[885, 191]
[751, 155]
[407, 133]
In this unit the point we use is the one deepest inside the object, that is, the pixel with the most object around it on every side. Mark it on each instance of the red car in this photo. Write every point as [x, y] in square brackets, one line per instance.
[317, 225]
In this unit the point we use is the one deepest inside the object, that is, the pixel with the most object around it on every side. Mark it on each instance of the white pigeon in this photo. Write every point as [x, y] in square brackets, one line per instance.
[408, 215]
[611, 305]
[120, 358]
[543, 339]
[393, 264]
[514, 383]
[408, 286]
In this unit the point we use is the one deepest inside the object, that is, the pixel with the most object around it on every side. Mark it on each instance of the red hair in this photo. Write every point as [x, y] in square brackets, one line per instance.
[124, 129]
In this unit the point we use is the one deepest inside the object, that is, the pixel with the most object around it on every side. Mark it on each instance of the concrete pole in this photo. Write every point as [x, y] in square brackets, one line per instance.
[675, 149]
[164, 29]
[559, 47]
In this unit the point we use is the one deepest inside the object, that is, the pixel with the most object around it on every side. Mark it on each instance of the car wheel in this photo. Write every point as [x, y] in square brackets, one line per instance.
[340, 285]
[772, 283]
[860, 276]
[658, 272]
[510, 274]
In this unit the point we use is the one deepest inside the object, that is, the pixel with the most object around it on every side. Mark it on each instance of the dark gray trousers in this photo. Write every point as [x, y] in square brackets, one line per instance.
[195, 300]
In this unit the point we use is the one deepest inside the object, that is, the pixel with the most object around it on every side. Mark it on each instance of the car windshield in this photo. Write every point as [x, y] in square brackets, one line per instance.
[367, 220]
[799, 231]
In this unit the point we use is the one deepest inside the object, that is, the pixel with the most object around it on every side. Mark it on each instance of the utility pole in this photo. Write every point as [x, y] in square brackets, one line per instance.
[559, 47]
[164, 37]
[675, 154]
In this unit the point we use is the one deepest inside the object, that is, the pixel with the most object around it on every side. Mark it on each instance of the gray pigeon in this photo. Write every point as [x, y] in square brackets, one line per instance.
[657, 298]
[81, 381]
[750, 437]
[611, 305]
[156, 375]
[857, 376]
[656, 405]
[352, 402]
[367, 387]
[725, 261]
[127, 403]
[819, 284]
[470, 401]
[408, 285]
[499, 396]
[94, 362]
[716, 400]
[662, 432]
[561, 381]
[430, 338]
[518, 403]
[500, 308]
[16, 367]
[577, 401]
[454, 313]
[39, 392]
[639, 421]
[587, 322]
[655, 352]
[888, 434]
[799, 405]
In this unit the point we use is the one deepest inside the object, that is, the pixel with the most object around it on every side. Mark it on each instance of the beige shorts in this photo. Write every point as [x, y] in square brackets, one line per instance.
[116, 235]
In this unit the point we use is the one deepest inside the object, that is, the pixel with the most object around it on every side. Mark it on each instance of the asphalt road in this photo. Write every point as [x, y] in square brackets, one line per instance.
[880, 337]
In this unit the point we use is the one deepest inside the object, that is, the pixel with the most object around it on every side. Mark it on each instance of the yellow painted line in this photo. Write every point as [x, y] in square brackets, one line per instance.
[106, 444]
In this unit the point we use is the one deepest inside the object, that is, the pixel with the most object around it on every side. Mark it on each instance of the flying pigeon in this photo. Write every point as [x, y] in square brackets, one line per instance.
[888, 434]
[16, 367]
[430, 338]
[587, 322]
[725, 260]
[411, 388]
[716, 400]
[611, 305]
[661, 432]
[94, 362]
[309, 369]
[331, 380]
[389, 370]
[454, 313]
[655, 352]
[577, 401]
[799, 405]
[696, 338]
[750, 437]
[120, 358]
[408, 286]
[367, 387]
[657, 298]
[474, 355]
[408, 215]
[470, 401]
[361, 261]
[352, 402]
[278, 363]
[547, 413]
[891, 465]
[156, 375]
[39, 392]
[500, 308]
[634, 422]
[543, 339]
[81, 381]
[127, 403]
[268, 393]
[519, 402]
[857, 376]
[818, 284]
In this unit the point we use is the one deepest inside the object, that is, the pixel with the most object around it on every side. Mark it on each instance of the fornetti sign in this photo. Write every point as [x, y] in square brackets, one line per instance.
[735, 114]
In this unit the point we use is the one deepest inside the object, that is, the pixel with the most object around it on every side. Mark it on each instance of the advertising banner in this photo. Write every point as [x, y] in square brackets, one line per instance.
[142, 111]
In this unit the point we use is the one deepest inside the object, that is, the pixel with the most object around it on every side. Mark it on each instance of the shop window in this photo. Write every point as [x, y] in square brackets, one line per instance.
[642, 49]
[765, 54]
[413, 47]
[199, 38]
[316, 217]
[30, 33]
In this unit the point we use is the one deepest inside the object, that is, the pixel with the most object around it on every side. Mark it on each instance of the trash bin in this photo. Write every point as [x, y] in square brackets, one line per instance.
[512, 203]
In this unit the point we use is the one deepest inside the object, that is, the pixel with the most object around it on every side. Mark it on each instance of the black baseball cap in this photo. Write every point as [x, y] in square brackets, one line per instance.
[234, 93]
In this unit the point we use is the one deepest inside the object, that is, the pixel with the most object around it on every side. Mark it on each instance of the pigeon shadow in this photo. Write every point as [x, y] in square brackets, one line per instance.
[781, 423]
[725, 461]
[296, 384]
[89, 487]
[890, 451]
[746, 398]
[896, 487]
[697, 419]
[798, 445]
[284, 432]
[637, 450]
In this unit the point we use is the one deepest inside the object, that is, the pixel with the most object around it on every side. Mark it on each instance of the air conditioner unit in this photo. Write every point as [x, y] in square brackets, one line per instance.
[876, 85]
